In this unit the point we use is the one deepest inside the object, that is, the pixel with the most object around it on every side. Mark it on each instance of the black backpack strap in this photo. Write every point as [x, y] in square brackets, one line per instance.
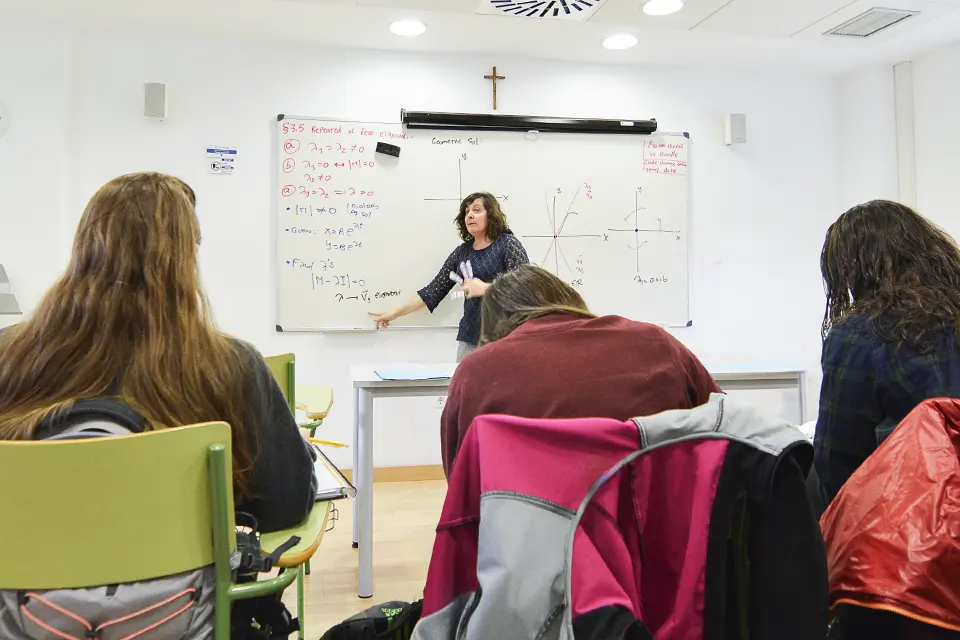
[110, 410]
[282, 549]
[252, 558]
[90, 418]
[272, 618]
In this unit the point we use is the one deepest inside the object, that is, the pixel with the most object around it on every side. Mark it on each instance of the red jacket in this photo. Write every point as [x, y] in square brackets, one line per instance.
[562, 366]
[893, 531]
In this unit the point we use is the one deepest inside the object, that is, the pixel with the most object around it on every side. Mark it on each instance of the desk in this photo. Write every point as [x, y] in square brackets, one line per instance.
[367, 386]
[786, 379]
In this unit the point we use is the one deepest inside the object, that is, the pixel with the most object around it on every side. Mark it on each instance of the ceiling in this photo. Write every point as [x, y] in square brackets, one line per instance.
[751, 34]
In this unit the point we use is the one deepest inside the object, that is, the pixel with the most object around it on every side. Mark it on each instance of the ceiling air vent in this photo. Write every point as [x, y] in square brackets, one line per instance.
[577, 10]
[870, 23]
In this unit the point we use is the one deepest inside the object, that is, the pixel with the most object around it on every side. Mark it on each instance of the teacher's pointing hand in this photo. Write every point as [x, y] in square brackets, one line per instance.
[383, 320]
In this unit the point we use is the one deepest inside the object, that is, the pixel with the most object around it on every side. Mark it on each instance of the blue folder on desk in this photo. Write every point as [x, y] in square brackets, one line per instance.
[403, 371]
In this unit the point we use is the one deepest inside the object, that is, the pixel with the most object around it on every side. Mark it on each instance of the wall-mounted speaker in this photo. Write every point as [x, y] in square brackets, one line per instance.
[735, 128]
[155, 100]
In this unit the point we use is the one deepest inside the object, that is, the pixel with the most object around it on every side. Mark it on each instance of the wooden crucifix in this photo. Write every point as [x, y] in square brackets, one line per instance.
[495, 77]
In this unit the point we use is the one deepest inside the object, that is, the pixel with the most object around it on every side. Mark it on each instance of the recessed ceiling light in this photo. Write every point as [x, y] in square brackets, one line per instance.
[620, 41]
[408, 28]
[662, 7]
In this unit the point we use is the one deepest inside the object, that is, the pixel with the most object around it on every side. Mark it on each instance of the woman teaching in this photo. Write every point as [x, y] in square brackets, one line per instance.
[489, 247]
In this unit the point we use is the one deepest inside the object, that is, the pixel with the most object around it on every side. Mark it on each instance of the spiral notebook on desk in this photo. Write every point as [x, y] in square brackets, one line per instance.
[331, 483]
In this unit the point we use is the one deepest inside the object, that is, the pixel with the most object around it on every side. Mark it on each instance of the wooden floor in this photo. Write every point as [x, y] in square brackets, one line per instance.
[405, 518]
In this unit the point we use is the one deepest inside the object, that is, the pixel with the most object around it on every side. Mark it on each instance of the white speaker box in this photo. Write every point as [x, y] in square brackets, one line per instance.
[735, 128]
[155, 100]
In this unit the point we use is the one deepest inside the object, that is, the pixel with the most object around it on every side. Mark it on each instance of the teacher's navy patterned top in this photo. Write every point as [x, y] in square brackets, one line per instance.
[504, 254]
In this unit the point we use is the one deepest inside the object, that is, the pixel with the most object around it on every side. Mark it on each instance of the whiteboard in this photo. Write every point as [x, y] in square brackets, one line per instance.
[360, 231]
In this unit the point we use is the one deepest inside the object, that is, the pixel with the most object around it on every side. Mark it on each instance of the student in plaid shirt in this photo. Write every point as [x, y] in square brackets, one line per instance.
[890, 330]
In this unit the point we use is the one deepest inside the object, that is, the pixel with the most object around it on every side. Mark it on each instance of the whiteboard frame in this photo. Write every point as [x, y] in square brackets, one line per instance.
[276, 241]
[689, 323]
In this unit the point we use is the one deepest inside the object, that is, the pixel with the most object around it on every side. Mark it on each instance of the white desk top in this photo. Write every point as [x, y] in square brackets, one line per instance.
[365, 376]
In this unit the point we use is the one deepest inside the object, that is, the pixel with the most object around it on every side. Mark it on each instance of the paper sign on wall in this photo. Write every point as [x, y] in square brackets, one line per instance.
[220, 160]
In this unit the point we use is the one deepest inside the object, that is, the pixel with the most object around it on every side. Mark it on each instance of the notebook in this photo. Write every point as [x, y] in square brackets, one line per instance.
[331, 483]
[407, 371]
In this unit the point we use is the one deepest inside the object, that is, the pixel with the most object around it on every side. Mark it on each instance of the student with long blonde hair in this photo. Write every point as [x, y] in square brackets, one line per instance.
[129, 322]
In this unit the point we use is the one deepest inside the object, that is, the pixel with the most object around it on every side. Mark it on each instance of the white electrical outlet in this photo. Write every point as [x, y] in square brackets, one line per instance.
[441, 402]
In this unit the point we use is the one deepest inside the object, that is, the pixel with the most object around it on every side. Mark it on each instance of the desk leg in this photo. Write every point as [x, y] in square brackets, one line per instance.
[357, 471]
[365, 493]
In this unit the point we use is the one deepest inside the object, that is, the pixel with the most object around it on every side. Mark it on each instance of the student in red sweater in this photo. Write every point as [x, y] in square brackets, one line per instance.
[545, 355]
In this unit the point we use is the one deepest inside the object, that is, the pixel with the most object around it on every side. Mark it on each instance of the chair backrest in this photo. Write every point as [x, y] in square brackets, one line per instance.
[112, 509]
[282, 367]
[626, 515]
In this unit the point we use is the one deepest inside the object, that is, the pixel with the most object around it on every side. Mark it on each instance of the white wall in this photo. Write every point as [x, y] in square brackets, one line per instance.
[759, 210]
[868, 144]
[937, 131]
[33, 157]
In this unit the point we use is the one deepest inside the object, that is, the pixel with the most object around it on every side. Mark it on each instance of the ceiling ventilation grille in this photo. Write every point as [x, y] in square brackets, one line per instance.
[576, 10]
[870, 23]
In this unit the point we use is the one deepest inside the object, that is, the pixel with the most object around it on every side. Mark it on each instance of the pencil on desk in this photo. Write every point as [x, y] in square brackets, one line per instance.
[329, 443]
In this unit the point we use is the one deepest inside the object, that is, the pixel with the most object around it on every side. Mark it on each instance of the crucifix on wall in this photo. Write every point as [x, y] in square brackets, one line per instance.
[494, 77]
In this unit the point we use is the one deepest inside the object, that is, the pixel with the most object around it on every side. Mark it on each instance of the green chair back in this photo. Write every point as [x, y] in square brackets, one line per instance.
[114, 509]
[283, 369]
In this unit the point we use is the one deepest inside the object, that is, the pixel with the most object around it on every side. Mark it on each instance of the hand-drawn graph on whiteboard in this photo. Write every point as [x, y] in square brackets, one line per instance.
[447, 195]
[639, 237]
[563, 234]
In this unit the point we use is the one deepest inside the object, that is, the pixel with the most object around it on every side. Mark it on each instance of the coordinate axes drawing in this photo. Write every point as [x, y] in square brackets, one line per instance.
[636, 231]
[556, 236]
[461, 196]
[459, 186]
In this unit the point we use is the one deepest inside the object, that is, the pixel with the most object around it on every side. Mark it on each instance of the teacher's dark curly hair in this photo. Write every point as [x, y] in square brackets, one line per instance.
[496, 218]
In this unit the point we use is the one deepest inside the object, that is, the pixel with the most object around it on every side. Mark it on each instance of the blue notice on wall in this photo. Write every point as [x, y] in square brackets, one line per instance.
[221, 160]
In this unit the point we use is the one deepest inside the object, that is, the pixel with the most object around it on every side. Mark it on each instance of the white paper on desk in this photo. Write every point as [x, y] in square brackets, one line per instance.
[331, 483]
[406, 371]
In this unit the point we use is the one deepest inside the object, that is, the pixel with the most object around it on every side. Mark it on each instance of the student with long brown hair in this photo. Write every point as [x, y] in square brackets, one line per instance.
[545, 355]
[890, 330]
[128, 321]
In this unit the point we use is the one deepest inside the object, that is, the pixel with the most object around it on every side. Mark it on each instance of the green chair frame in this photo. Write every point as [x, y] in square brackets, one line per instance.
[283, 368]
[102, 511]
